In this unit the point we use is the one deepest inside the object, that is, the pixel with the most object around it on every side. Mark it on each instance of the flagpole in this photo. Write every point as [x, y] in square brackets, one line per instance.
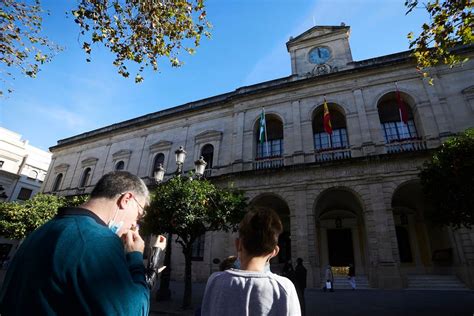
[399, 109]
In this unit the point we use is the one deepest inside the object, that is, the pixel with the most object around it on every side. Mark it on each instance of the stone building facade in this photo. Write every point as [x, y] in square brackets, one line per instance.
[349, 197]
[23, 169]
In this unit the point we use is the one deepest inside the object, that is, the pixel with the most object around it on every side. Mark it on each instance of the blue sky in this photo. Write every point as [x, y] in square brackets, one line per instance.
[71, 96]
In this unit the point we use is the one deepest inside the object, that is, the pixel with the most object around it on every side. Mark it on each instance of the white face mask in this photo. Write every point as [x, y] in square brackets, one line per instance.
[115, 227]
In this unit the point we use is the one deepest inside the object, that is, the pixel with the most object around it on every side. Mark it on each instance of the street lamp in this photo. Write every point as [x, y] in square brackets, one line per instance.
[200, 166]
[164, 292]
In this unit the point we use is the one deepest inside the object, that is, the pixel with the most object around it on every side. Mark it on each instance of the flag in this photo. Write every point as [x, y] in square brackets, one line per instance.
[402, 108]
[327, 119]
[263, 127]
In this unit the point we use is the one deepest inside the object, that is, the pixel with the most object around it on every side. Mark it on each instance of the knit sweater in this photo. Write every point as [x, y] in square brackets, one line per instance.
[240, 293]
[74, 265]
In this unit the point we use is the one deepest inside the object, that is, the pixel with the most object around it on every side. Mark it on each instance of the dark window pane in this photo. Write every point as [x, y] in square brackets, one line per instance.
[120, 165]
[207, 153]
[198, 249]
[85, 177]
[57, 182]
[24, 194]
[159, 160]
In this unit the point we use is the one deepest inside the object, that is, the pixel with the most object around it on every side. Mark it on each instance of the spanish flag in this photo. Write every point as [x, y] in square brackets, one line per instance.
[327, 119]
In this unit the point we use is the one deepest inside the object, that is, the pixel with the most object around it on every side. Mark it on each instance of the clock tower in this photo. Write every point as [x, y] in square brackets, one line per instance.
[320, 50]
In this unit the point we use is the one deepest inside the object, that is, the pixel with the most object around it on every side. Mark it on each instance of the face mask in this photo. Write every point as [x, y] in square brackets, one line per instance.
[237, 264]
[115, 227]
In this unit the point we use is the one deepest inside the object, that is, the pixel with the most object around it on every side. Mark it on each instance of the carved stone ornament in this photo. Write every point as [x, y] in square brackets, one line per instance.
[323, 69]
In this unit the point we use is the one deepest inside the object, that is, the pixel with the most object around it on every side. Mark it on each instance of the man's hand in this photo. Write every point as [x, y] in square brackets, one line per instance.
[160, 242]
[133, 242]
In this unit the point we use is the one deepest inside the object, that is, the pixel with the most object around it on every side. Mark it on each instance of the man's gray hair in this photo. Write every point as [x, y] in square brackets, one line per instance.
[118, 182]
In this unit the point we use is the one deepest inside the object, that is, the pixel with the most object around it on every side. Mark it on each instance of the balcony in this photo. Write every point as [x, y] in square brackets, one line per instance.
[268, 163]
[405, 145]
[332, 154]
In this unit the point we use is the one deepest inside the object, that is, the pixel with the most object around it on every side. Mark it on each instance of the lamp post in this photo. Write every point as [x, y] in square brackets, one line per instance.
[164, 292]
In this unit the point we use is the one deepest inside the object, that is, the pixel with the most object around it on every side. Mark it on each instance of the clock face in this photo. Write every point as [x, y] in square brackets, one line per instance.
[319, 55]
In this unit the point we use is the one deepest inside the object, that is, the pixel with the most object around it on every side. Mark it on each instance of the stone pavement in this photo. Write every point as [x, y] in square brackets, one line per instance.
[351, 303]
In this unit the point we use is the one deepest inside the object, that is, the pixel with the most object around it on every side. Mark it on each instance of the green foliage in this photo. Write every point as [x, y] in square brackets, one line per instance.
[75, 200]
[21, 44]
[137, 32]
[189, 208]
[451, 23]
[17, 220]
[141, 31]
[447, 180]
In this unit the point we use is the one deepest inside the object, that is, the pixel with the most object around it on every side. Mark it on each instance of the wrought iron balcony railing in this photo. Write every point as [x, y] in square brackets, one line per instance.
[268, 163]
[332, 154]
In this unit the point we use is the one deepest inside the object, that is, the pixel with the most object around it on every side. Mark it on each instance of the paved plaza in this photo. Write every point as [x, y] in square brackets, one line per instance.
[351, 303]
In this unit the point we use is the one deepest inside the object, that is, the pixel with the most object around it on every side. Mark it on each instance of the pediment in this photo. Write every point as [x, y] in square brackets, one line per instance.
[161, 145]
[89, 161]
[317, 31]
[61, 167]
[210, 135]
[124, 153]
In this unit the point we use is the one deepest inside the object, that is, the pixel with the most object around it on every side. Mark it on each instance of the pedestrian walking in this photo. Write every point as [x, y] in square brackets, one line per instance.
[351, 276]
[300, 283]
[251, 290]
[329, 279]
[87, 260]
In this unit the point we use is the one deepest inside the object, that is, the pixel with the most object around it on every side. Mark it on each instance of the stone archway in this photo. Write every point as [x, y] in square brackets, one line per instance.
[341, 231]
[279, 205]
[423, 247]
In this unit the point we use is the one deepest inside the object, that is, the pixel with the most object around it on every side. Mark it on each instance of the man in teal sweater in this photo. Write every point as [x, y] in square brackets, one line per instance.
[76, 264]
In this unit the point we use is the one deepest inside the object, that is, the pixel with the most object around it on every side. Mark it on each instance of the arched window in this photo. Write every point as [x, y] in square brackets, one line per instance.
[120, 165]
[85, 177]
[324, 141]
[57, 182]
[271, 144]
[207, 152]
[159, 160]
[393, 127]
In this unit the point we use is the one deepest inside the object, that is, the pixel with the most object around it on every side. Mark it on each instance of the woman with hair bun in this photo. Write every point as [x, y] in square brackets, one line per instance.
[252, 289]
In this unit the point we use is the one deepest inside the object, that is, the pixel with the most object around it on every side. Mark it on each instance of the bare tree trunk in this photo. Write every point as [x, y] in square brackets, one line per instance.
[188, 291]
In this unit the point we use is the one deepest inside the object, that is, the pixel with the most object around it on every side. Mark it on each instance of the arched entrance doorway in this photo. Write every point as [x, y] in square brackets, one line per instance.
[423, 248]
[277, 204]
[339, 224]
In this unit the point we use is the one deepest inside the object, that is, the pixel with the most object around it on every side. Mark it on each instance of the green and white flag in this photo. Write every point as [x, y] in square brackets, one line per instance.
[263, 127]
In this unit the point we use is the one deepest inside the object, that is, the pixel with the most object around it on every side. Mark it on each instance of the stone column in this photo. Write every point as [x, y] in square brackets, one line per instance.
[238, 141]
[439, 107]
[298, 154]
[366, 137]
[384, 266]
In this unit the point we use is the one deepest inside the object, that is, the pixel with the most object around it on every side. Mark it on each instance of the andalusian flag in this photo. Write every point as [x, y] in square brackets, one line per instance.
[327, 119]
[263, 127]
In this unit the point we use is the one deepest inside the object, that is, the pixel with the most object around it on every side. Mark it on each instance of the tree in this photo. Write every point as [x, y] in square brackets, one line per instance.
[447, 181]
[451, 23]
[137, 32]
[188, 209]
[18, 220]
